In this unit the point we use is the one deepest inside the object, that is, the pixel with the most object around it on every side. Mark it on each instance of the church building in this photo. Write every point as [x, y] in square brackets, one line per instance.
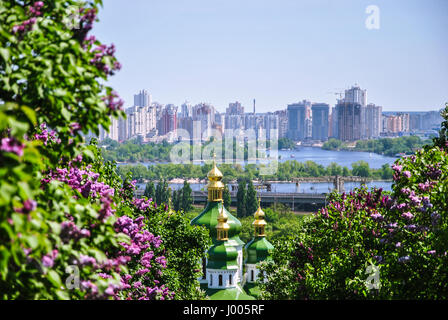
[223, 271]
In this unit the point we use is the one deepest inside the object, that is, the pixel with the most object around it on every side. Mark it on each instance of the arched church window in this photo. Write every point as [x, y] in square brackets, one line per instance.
[220, 280]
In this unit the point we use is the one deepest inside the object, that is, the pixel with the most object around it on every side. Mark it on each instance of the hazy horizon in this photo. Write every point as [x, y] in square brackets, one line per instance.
[279, 52]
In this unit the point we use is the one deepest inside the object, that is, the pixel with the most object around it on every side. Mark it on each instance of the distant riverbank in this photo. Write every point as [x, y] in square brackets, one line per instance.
[385, 146]
[302, 162]
[318, 155]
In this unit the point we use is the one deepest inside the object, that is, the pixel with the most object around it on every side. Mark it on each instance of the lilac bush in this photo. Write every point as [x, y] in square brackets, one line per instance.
[403, 233]
[70, 228]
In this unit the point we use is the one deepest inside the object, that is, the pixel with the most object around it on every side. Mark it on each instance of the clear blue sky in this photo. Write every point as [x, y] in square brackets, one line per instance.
[279, 51]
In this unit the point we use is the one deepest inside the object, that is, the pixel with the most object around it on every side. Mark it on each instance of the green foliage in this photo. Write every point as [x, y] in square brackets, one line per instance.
[332, 144]
[46, 77]
[361, 169]
[251, 199]
[150, 190]
[227, 198]
[386, 172]
[186, 200]
[285, 172]
[285, 143]
[241, 199]
[48, 69]
[404, 233]
[163, 193]
[442, 139]
[282, 222]
[184, 249]
[133, 151]
[59, 200]
[176, 200]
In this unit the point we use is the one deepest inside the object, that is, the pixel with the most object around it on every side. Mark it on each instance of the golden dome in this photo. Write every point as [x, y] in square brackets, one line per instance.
[259, 222]
[215, 174]
[222, 227]
[259, 213]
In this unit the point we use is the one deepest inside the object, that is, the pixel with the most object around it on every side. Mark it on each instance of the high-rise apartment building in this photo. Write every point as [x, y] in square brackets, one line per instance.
[350, 122]
[356, 95]
[396, 123]
[320, 122]
[350, 119]
[140, 121]
[373, 123]
[168, 120]
[297, 115]
[333, 123]
[282, 123]
[186, 110]
[416, 121]
[204, 115]
[142, 99]
[271, 122]
[432, 120]
[113, 131]
[234, 117]
[235, 109]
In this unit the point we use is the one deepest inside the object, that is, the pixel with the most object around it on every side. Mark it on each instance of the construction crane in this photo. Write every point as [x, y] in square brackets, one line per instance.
[340, 94]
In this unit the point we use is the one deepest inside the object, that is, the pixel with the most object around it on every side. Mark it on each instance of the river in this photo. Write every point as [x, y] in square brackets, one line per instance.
[319, 156]
[343, 158]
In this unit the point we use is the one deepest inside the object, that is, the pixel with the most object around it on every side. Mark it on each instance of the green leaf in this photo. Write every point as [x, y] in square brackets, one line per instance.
[30, 114]
[54, 278]
[55, 226]
[4, 258]
[59, 92]
[88, 153]
[18, 128]
[32, 241]
[6, 191]
[24, 190]
[66, 114]
[63, 295]
[4, 53]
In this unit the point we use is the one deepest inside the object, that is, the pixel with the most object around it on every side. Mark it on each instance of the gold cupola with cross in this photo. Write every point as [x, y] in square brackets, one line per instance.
[215, 186]
[259, 222]
[222, 228]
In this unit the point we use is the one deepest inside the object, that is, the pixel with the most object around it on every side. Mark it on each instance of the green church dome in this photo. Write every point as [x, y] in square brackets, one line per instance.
[258, 249]
[222, 255]
[208, 218]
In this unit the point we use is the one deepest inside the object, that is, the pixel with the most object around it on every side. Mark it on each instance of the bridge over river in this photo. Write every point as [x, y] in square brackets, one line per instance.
[295, 200]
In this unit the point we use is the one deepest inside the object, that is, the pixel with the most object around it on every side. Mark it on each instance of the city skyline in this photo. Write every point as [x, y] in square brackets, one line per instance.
[248, 108]
[351, 119]
[279, 52]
